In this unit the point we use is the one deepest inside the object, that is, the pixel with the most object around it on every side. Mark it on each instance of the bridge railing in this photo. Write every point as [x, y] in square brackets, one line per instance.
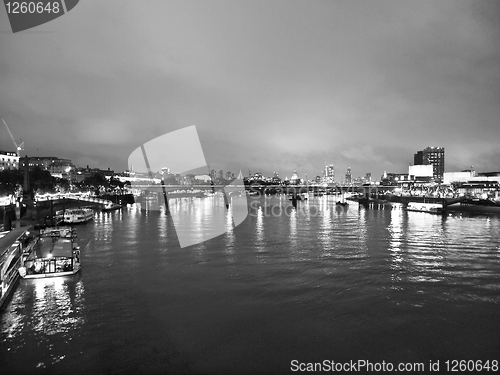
[86, 198]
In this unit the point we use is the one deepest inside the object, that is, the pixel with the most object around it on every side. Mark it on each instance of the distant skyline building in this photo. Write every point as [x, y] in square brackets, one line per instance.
[329, 174]
[56, 166]
[80, 174]
[368, 177]
[348, 176]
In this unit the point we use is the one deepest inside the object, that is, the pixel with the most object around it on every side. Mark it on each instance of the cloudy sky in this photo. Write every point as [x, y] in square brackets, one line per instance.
[270, 85]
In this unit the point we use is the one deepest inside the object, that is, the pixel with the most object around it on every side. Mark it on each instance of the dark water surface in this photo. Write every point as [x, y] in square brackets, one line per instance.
[312, 284]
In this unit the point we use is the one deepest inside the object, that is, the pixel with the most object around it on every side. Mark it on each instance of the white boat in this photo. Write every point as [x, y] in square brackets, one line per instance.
[12, 245]
[78, 215]
[55, 253]
[433, 208]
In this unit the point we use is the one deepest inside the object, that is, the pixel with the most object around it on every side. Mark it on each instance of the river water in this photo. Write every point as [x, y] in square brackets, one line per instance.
[319, 282]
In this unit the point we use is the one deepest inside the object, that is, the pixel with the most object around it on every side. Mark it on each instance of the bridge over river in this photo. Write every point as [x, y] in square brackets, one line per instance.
[75, 197]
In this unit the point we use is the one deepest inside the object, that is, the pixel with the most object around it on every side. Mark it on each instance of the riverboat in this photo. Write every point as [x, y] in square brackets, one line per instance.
[12, 246]
[476, 205]
[78, 215]
[432, 208]
[55, 253]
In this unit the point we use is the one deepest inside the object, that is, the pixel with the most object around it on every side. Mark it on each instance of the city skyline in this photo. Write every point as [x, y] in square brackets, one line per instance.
[270, 86]
[432, 156]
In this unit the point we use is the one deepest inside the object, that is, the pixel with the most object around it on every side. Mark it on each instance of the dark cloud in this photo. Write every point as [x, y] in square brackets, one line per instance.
[276, 85]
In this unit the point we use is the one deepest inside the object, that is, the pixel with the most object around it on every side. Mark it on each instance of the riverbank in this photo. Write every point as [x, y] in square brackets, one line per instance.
[41, 214]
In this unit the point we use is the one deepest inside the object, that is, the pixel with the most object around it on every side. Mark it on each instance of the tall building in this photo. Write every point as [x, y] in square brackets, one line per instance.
[329, 174]
[432, 156]
[348, 176]
[435, 157]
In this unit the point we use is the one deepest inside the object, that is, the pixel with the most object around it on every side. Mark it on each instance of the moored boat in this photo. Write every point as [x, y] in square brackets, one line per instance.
[12, 245]
[476, 205]
[433, 208]
[55, 253]
[78, 215]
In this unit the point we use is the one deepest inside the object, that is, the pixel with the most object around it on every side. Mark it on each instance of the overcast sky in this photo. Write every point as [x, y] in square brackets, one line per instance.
[270, 85]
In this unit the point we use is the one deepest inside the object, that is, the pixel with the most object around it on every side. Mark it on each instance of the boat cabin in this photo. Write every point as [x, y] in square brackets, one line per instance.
[54, 253]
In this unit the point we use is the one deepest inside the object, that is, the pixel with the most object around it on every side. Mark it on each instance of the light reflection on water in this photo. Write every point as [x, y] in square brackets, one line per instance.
[45, 313]
[55, 310]
[312, 282]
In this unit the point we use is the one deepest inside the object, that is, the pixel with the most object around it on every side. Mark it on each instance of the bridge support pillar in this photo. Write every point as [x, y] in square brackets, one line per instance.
[165, 198]
[294, 198]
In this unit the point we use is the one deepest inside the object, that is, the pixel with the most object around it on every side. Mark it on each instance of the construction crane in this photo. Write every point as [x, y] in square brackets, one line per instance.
[19, 147]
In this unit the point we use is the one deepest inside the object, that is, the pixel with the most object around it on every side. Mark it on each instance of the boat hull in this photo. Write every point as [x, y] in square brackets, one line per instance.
[12, 246]
[54, 274]
[8, 290]
[76, 221]
[458, 207]
[430, 208]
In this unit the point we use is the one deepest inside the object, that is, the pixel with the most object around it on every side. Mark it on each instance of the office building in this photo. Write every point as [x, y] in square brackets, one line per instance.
[348, 176]
[431, 156]
[329, 174]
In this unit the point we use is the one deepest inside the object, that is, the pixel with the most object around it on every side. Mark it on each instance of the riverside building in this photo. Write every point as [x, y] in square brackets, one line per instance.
[431, 156]
[8, 160]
